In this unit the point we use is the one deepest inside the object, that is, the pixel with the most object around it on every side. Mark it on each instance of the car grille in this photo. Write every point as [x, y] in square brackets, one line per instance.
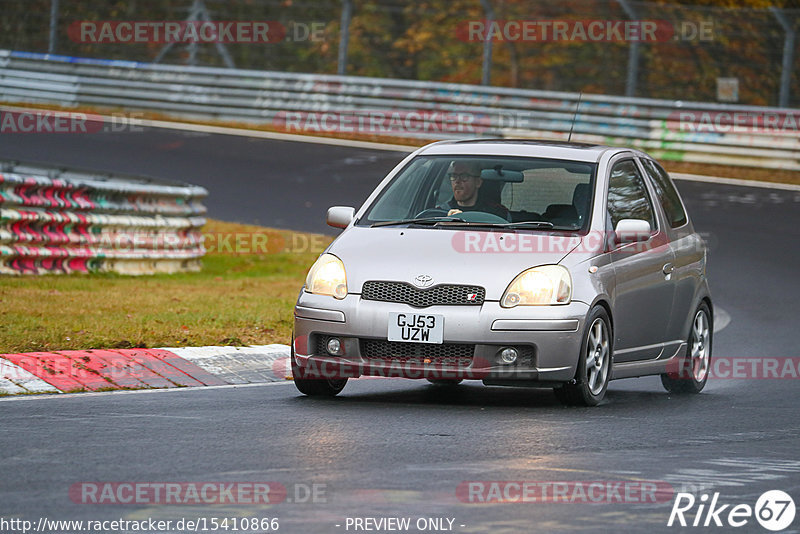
[448, 354]
[440, 295]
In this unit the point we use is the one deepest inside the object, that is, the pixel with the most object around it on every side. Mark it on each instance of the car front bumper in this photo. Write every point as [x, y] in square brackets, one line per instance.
[547, 338]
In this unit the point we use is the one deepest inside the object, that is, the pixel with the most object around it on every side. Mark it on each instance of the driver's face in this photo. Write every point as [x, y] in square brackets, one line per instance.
[465, 184]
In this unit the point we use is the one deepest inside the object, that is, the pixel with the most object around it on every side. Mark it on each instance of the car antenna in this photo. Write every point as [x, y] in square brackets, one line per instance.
[575, 116]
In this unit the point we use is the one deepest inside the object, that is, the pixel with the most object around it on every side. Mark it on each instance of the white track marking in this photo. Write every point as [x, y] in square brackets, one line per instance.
[137, 392]
[263, 134]
[14, 380]
[245, 132]
[237, 365]
[9, 387]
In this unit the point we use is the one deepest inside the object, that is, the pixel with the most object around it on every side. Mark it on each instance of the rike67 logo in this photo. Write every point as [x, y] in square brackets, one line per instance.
[774, 510]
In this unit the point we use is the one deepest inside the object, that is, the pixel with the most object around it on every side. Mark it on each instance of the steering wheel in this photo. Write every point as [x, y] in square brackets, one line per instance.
[431, 212]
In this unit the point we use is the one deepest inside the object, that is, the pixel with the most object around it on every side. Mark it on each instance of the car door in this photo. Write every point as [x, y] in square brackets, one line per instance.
[687, 247]
[643, 289]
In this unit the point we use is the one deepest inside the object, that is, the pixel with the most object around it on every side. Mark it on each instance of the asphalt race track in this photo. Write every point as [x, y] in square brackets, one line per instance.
[273, 183]
[397, 448]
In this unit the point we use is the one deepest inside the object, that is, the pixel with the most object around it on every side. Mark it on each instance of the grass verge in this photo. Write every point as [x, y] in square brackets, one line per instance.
[244, 295]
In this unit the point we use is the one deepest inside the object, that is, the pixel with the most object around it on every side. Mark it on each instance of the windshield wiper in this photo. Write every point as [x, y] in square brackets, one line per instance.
[459, 222]
[519, 224]
[422, 220]
[537, 224]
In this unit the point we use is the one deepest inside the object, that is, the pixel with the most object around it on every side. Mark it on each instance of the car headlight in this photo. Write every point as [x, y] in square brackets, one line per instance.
[327, 277]
[548, 284]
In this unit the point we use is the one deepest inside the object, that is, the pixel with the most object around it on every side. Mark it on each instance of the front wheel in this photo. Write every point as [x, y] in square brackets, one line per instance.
[692, 373]
[594, 364]
[314, 386]
[320, 387]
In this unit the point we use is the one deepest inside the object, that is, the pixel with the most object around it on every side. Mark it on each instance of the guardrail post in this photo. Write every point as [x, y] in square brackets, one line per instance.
[344, 35]
[194, 15]
[51, 48]
[221, 49]
[788, 56]
[486, 70]
[633, 54]
[198, 12]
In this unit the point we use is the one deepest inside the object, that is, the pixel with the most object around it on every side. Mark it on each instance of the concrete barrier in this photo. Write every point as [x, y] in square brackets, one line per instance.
[55, 221]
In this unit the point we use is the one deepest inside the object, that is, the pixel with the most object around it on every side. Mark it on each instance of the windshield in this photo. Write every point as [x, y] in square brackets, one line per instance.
[487, 191]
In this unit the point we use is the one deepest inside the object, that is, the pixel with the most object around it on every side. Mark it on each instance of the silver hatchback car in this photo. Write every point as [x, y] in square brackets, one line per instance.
[514, 262]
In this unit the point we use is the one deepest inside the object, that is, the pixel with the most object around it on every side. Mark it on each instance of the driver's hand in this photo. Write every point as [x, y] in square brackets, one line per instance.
[453, 211]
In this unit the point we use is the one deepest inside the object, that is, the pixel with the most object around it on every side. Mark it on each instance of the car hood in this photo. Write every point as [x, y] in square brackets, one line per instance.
[448, 256]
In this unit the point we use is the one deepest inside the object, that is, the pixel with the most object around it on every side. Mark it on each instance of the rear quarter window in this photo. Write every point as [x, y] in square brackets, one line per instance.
[542, 188]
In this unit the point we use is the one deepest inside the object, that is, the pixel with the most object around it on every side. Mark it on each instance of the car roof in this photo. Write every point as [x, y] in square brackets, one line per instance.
[521, 147]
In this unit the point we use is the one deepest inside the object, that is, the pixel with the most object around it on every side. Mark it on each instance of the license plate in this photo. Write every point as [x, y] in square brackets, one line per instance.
[416, 327]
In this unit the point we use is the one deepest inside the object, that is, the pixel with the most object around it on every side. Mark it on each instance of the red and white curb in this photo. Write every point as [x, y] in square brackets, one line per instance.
[103, 370]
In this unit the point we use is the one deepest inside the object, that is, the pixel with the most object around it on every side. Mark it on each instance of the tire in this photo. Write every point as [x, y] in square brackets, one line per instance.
[595, 361]
[315, 386]
[445, 382]
[692, 374]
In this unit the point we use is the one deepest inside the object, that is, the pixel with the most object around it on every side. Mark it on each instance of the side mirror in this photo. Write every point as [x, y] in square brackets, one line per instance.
[632, 231]
[340, 216]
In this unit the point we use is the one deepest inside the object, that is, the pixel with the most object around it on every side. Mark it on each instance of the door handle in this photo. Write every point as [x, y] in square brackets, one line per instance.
[668, 268]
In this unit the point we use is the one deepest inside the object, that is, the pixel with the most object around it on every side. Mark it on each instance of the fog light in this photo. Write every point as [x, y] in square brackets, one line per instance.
[508, 356]
[334, 346]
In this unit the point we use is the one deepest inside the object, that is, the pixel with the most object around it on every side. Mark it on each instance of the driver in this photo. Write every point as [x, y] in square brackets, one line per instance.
[465, 179]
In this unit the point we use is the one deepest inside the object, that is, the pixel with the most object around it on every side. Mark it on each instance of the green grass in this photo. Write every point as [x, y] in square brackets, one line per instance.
[237, 299]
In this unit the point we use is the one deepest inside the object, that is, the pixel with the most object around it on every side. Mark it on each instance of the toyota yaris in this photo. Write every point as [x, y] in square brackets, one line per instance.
[518, 263]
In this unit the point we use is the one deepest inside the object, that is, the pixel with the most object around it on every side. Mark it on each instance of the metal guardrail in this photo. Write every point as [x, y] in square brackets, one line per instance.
[54, 221]
[311, 103]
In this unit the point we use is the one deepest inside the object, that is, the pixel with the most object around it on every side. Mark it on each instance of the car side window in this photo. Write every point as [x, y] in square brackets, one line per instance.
[627, 195]
[666, 193]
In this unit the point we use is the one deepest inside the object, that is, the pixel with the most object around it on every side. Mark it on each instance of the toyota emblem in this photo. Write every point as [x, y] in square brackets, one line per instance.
[423, 280]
